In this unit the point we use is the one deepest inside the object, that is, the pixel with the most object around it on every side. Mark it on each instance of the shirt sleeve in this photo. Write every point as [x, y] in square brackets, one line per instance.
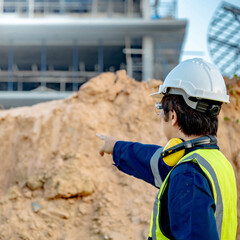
[141, 161]
[191, 207]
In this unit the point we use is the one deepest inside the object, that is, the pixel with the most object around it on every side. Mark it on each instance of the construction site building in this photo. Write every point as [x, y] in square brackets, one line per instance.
[54, 46]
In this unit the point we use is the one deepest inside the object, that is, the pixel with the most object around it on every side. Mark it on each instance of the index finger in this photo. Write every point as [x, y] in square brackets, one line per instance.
[100, 136]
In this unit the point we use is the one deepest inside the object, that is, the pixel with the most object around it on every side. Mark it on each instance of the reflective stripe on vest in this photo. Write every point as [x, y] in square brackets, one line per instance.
[154, 167]
[222, 180]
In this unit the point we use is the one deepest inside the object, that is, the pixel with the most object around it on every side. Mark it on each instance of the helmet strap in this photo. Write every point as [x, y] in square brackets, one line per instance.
[205, 106]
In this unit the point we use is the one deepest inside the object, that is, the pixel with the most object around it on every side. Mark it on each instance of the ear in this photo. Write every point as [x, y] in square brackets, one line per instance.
[173, 116]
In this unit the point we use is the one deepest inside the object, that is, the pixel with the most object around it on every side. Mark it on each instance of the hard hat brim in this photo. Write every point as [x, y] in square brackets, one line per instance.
[156, 95]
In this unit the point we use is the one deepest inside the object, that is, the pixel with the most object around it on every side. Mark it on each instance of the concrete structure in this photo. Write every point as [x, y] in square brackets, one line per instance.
[60, 44]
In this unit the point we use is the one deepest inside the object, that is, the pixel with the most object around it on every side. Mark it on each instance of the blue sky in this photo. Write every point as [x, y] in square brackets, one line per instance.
[199, 14]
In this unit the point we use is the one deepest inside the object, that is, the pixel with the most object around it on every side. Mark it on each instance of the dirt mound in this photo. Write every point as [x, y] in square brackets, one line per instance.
[55, 185]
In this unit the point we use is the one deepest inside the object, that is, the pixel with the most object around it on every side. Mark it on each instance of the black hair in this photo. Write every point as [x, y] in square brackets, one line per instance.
[190, 121]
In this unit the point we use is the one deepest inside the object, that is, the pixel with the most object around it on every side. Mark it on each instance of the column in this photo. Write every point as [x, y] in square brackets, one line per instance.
[1, 6]
[110, 8]
[100, 56]
[147, 58]
[128, 56]
[43, 62]
[30, 8]
[75, 65]
[165, 68]
[94, 8]
[146, 9]
[62, 6]
[175, 7]
[129, 8]
[10, 67]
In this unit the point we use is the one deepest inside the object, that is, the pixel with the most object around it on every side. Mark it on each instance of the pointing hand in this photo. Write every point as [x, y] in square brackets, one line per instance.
[108, 145]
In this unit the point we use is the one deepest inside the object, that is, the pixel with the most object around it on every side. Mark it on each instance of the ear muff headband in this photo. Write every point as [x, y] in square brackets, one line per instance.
[177, 151]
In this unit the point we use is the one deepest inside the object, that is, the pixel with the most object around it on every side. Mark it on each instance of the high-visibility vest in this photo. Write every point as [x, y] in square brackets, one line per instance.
[221, 178]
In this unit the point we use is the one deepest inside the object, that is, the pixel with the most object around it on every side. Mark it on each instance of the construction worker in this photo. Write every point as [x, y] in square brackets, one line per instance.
[197, 197]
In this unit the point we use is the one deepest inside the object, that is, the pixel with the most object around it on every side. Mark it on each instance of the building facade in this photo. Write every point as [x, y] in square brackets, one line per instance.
[60, 44]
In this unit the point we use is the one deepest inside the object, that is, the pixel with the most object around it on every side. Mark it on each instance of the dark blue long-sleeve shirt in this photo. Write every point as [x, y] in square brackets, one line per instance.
[188, 208]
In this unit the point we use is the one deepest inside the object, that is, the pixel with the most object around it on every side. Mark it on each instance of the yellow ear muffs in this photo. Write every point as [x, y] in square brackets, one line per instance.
[173, 158]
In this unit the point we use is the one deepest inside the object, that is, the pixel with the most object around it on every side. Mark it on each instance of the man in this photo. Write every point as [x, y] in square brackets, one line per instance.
[197, 197]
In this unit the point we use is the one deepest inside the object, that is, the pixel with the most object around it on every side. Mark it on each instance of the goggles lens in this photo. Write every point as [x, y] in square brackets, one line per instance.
[158, 108]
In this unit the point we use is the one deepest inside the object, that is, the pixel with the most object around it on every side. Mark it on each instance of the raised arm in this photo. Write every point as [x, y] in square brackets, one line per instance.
[139, 160]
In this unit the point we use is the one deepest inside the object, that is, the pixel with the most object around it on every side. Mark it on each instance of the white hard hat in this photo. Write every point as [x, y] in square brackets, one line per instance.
[195, 78]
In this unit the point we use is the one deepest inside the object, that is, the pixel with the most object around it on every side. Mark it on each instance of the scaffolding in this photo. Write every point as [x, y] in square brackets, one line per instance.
[60, 44]
[87, 8]
[94, 8]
